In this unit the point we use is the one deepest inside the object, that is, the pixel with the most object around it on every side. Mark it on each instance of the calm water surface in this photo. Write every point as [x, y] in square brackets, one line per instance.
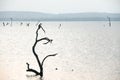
[86, 51]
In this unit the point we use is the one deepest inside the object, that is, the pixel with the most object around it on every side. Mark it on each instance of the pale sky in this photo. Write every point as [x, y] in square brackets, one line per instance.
[61, 6]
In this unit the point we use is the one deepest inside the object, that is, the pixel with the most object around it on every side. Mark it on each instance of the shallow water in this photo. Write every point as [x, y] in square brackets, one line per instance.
[86, 51]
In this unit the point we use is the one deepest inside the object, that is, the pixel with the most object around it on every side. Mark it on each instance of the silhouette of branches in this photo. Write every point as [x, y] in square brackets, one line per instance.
[40, 64]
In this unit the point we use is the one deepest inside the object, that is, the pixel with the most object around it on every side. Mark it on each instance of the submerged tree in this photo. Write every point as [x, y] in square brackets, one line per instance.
[11, 19]
[40, 63]
[3, 24]
[21, 23]
[28, 24]
[109, 21]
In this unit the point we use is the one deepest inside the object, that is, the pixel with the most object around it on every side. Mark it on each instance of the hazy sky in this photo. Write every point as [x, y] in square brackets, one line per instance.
[61, 6]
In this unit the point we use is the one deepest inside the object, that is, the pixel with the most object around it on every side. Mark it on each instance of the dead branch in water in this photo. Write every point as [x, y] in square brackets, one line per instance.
[109, 21]
[40, 64]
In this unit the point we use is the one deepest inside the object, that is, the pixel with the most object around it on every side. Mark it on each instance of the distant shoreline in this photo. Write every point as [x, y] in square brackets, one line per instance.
[57, 20]
[39, 16]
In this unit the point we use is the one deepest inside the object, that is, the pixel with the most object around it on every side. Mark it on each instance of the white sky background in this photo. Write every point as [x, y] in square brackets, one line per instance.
[61, 6]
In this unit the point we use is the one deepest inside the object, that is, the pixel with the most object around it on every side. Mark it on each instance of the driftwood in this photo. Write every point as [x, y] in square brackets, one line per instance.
[40, 64]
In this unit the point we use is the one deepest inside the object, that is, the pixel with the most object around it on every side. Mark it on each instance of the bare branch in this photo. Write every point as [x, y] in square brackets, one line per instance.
[27, 65]
[32, 70]
[45, 38]
[47, 57]
[35, 54]
[43, 29]
[40, 26]
[37, 33]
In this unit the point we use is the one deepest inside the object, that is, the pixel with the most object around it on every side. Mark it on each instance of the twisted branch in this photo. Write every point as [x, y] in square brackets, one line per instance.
[36, 56]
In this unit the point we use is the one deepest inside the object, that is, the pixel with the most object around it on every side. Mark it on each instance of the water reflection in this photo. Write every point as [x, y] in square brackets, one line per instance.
[33, 77]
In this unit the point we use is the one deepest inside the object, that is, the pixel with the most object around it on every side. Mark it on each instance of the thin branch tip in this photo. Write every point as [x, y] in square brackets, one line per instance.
[27, 63]
[55, 54]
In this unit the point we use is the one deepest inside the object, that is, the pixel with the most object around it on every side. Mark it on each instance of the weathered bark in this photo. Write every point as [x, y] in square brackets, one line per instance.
[40, 64]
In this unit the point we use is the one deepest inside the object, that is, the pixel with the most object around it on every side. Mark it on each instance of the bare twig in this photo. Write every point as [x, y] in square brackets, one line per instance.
[47, 57]
[45, 38]
[32, 70]
[40, 26]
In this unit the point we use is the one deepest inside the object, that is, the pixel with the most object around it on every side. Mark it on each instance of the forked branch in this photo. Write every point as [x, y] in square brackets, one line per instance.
[32, 70]
[35, 54]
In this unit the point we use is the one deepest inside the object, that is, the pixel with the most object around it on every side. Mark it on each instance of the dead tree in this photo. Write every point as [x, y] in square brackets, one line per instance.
[28, 24]
[109, 21]
[3, 24]
[40, 64]
[7, 23]
[59, 26]
[21, 24]
[11, 21]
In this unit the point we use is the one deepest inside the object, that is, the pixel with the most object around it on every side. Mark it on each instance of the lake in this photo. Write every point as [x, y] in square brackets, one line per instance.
[87, 50]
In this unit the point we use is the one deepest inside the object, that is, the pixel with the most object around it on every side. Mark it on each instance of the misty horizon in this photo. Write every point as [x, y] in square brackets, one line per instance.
[40, 16]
